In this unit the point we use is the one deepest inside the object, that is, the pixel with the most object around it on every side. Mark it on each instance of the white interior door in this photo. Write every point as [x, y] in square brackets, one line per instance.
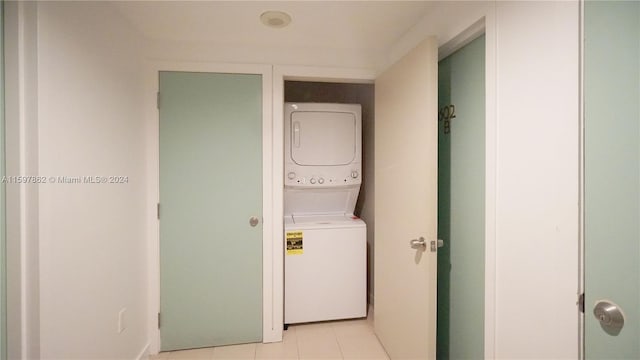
[406, 143]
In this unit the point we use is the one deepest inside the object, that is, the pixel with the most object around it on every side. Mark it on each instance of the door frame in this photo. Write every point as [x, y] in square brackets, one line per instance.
[271, 302]
[581, 192]
[282, 73]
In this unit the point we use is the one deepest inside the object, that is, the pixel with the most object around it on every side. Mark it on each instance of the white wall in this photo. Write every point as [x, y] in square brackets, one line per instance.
[538, 177]
[91, 236]
[532, 169]
[284, 55]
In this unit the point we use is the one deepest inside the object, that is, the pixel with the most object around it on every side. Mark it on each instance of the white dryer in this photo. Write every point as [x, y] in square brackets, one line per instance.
[325, 244]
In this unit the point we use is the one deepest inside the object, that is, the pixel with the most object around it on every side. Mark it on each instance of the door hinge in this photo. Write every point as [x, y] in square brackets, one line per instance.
[158, 320]
[158, 211]
[158, 99]
[581, 303]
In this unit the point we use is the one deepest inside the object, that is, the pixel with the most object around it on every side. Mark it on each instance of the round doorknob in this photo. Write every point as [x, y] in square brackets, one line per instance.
[253, 221]
[610, 316]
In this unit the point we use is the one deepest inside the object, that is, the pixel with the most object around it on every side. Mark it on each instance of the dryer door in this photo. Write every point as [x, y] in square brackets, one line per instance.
[323, 138]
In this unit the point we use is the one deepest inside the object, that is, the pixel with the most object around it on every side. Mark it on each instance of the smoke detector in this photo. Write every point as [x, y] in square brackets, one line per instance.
[275, 19]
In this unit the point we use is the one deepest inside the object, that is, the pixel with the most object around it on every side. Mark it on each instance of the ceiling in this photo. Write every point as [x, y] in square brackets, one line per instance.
[326, 24]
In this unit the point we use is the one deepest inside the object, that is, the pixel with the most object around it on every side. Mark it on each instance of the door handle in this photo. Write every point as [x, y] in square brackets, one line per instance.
[253, 221]
[296, 134]
[610, 316]
[419, 243]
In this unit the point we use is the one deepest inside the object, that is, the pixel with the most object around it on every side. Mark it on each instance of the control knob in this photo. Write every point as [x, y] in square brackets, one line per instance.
[321, 181]
[354, 174]
[313, 180]
[291, 175]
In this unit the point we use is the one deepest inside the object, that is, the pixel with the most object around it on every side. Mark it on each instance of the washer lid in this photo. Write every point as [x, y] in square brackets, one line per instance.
[327, 220]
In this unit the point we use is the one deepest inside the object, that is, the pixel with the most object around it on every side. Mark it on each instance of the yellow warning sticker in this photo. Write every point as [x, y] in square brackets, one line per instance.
[294, 243]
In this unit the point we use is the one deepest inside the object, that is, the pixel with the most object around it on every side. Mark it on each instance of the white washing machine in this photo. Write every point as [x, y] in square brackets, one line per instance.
[325, 245]
[325, 269]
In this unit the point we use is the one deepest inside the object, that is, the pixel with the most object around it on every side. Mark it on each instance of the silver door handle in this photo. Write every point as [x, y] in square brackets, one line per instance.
[253, 221]
[419, 243]
[610, 316]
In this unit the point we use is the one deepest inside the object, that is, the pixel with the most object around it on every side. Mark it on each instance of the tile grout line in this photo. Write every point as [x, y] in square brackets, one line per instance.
[335, 335]
[297, 345]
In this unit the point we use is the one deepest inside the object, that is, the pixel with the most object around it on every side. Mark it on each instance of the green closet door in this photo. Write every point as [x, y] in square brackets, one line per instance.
[461, 189]
[210, 187]
[612, 174]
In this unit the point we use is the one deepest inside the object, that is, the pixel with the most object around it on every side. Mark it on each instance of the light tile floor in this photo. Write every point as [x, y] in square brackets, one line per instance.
[349, 339]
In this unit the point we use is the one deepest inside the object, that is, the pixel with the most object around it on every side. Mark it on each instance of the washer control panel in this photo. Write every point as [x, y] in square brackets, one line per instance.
[326, 178]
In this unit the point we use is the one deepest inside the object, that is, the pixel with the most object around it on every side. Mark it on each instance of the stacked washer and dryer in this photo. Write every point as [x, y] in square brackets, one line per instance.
[325, 243]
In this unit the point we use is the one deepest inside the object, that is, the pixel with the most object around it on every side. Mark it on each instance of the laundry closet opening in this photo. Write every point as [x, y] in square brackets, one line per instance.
[305, 92]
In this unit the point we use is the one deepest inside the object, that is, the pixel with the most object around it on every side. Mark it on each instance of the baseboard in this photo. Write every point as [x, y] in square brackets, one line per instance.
[144, 354]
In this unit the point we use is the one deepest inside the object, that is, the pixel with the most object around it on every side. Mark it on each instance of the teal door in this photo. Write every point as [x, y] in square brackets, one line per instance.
[461, 189]
[210, 187]
[612, 176]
